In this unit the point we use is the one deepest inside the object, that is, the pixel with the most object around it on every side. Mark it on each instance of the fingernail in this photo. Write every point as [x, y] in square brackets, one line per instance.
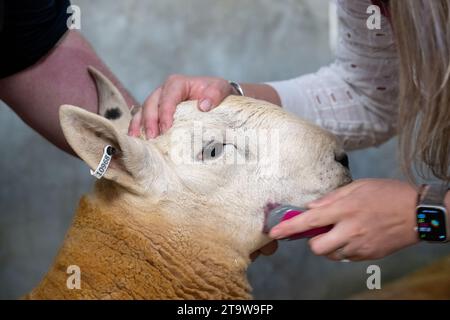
[149, 133]
[275, 233]
[205, 105]
[310, 204]
[133, 133]
[313, 203]
[163, 127]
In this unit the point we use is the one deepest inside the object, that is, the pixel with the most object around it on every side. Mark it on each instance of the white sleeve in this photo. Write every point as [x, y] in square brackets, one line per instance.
[356, 96]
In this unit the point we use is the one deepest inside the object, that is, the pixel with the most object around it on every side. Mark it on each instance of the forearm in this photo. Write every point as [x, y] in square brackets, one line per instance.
[261, 92]
[61, 77]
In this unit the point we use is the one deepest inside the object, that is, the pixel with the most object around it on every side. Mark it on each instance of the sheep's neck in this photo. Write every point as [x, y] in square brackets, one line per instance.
[126, 256]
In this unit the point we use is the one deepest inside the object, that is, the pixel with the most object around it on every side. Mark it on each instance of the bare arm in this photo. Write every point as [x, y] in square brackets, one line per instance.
[61, 77]
[261, 92]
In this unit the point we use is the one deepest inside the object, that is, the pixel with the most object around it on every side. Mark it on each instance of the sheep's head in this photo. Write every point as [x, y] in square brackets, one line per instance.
[214, 170]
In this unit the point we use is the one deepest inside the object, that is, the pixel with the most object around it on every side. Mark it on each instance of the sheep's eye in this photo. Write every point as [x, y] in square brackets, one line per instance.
[212, 151]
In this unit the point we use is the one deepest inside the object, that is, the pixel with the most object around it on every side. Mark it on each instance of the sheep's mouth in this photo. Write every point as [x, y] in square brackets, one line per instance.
[348, 180]
[267, 210]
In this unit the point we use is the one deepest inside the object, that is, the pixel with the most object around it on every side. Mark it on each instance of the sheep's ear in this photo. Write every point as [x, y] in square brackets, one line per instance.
[88, 134]
[111, 104]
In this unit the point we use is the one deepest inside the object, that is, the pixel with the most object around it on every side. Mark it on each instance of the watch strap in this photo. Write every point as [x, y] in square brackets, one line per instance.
[432, 194]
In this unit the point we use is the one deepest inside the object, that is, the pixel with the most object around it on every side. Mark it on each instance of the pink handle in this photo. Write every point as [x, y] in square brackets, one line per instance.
[306, 234]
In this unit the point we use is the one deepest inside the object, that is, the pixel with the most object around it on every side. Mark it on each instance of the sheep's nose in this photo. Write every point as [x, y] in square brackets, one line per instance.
[342, 158]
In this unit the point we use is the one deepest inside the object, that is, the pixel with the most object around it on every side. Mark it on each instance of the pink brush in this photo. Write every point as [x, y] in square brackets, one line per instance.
[276, 213]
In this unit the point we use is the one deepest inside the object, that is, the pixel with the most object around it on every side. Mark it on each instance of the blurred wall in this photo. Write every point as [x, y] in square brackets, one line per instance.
[143, 42]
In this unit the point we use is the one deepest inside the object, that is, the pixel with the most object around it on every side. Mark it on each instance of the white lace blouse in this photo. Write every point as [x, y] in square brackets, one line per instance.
[355, 97]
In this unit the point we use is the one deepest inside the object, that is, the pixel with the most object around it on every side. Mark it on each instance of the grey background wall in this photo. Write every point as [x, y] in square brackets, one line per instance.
[143, 42]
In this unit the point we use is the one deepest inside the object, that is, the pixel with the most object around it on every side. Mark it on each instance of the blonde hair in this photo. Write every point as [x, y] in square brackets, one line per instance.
[422, 32]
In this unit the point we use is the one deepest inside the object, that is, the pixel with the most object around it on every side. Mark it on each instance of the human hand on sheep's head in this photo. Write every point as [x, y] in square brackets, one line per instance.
[156, 115]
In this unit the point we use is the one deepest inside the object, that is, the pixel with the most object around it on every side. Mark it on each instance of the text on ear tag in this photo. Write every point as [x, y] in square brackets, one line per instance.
[102, 167]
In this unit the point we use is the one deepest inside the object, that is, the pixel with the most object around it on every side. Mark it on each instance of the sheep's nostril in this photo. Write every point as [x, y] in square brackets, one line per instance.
[342, 158]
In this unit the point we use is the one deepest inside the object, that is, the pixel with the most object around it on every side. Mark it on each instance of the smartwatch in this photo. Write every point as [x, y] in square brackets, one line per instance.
[432, 218]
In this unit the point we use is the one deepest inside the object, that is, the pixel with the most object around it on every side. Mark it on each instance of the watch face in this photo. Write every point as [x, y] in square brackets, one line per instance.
[431, 224]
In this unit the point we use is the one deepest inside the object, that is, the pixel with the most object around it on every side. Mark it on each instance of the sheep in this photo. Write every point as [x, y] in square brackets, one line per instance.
[177, 217]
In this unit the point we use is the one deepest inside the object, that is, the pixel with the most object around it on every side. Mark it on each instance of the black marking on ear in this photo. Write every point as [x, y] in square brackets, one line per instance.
[113, 114]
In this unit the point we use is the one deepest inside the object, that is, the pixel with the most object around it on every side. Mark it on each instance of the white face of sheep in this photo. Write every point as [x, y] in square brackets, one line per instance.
[215, 170]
